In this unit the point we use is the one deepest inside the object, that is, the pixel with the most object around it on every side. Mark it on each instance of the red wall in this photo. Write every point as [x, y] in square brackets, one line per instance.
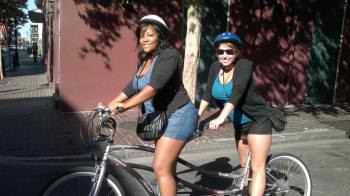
[95, 50]
[88, 78]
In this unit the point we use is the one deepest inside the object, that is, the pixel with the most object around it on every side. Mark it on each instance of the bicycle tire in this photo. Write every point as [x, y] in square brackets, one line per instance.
[79, 182]
[287, 175]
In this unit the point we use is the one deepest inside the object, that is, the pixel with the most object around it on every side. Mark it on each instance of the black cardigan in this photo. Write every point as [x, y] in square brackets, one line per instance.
[244, 94]
[166, 80]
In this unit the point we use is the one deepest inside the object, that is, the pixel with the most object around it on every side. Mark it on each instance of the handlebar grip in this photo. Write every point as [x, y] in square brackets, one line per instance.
[120, 109]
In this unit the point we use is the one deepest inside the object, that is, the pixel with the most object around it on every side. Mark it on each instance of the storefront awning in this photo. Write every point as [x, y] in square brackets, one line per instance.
[39, 3]
[36, 16]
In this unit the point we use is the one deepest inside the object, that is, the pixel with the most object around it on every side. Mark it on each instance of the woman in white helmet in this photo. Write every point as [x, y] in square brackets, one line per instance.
[157, 86]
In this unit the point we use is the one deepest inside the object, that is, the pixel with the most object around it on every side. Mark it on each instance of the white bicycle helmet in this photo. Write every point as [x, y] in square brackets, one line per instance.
[154, 19]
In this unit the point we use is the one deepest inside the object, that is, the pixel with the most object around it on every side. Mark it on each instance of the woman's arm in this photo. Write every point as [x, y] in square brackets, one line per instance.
[116, 102]
[214, 124]
[124, 102]
[202, 106]
[146, 93]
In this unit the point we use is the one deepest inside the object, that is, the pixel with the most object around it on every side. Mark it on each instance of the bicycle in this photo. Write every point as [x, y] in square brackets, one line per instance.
[286, 173]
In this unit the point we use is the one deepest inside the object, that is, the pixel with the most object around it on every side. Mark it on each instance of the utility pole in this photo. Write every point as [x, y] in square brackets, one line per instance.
[16, 63]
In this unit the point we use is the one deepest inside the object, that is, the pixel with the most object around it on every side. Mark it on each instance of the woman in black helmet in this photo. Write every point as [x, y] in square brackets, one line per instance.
[231, 86]
[157, 86]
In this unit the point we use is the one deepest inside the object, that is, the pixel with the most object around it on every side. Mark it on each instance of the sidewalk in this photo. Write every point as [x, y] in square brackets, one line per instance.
[32, 129]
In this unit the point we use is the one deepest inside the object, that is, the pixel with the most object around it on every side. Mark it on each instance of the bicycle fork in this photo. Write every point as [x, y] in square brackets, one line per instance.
[100, 173]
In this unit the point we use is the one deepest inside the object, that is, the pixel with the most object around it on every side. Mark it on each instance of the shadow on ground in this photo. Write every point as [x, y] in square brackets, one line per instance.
[221, 164]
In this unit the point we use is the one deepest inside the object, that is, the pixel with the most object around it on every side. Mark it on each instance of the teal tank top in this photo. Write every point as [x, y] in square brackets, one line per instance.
[221, 94]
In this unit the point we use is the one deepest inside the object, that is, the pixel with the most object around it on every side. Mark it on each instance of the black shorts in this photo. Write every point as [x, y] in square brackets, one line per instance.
[261, 126]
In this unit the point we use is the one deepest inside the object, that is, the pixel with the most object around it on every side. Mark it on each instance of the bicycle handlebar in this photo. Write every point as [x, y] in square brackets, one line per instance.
[100, 127]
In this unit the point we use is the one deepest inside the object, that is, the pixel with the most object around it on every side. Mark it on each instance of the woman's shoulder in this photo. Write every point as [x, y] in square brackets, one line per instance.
[215, 65]
[244, 61]
[244, 64]
[170, 51]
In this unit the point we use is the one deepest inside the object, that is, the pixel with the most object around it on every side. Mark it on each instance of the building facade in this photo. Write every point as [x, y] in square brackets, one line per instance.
[90, 46]
[36, 36]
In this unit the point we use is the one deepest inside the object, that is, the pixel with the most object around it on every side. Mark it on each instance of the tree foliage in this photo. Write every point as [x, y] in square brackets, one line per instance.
[13, 11]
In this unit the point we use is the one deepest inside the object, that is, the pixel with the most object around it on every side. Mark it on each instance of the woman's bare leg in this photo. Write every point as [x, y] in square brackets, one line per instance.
[259, 147]
[166, 153]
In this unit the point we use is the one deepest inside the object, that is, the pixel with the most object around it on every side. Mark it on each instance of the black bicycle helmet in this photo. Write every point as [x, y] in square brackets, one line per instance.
[228, 37]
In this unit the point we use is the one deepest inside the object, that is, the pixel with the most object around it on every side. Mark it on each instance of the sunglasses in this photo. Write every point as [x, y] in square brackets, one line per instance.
[228, 52]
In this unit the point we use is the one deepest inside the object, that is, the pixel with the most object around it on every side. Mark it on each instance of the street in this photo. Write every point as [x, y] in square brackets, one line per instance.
[327, 160]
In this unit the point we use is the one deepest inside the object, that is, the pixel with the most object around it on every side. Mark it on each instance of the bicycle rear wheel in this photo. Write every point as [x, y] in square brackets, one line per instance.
[287, 175]
[79, 183]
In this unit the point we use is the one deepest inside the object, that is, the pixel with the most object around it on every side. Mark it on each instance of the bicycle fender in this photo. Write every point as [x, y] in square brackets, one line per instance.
[132, 182]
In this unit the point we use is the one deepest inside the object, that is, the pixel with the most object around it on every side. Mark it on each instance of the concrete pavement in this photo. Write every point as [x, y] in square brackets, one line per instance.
[32, 128]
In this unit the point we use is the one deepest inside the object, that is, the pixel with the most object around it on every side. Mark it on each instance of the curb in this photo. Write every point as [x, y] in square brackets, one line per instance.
[203, 143]
[206, 143]
[277, 138]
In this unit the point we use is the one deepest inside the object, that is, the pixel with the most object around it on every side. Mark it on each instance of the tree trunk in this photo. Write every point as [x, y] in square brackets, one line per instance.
[192, 46]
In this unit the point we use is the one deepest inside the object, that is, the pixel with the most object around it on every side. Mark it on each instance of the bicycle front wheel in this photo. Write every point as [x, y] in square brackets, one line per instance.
[79, 183]
[287, 175]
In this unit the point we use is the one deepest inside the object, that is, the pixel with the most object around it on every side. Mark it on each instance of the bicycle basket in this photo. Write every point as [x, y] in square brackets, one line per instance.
[97, 128]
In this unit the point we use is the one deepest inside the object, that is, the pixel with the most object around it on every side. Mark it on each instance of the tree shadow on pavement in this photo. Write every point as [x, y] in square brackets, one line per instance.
[32, 127]
[221, 164]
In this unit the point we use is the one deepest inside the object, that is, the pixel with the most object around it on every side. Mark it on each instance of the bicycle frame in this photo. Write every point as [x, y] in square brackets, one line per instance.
[127, 172]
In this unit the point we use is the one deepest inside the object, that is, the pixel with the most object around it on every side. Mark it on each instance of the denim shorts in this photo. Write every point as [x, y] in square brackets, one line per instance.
[182, 123]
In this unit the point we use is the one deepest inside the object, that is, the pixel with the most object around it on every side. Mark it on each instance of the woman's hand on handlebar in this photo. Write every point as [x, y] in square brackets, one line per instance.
[117, 108]
[113, 108]
[215, 124]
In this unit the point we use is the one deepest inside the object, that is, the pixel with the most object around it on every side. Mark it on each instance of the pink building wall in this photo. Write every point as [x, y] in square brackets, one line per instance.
[94, 47]
[95, 52]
